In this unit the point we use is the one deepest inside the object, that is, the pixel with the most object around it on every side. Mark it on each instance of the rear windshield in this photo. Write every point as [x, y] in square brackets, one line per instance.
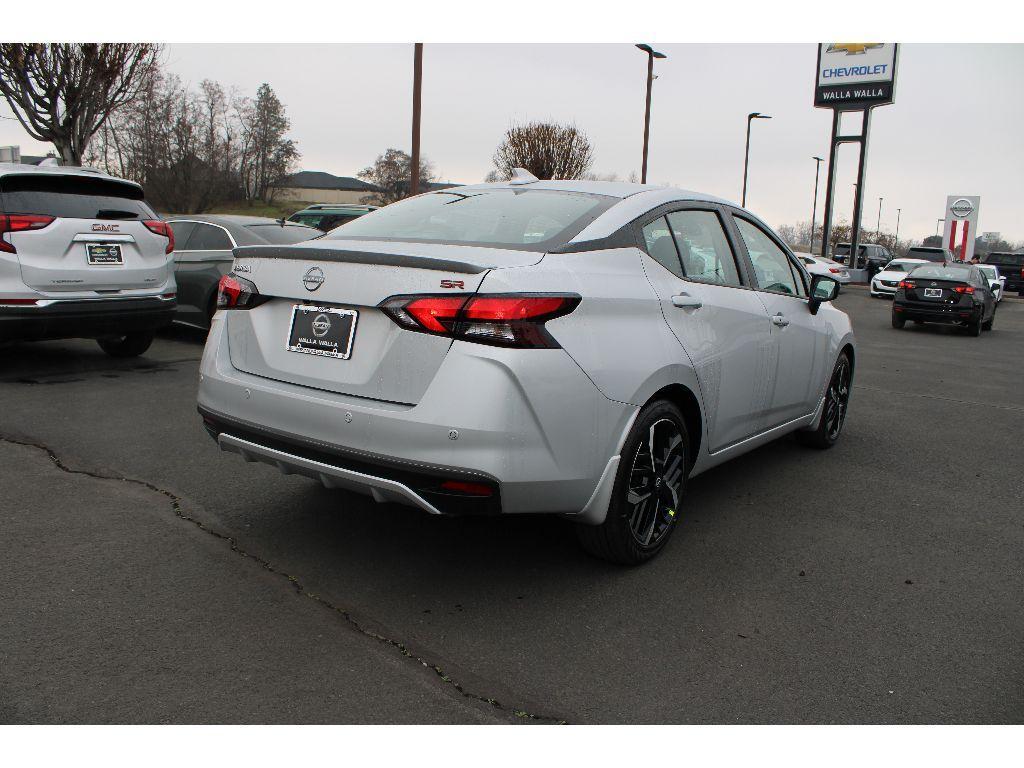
[520, 219]
[289, 234]
[899, 266]
[843, 249]
[1006, 259]
[72, 197]
[942, 273]
[928, 254]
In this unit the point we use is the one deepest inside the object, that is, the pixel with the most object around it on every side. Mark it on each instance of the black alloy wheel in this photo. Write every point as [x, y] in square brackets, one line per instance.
[837, 403]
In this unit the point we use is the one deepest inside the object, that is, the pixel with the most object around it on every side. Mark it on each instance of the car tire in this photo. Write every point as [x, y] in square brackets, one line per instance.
[898, 322]
[129, 345]
[974, 329]
[633, 530]
[833, 412]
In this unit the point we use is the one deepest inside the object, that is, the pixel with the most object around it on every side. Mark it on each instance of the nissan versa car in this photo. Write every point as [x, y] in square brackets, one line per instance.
[945, 293]
[568, 347]
[82, 255]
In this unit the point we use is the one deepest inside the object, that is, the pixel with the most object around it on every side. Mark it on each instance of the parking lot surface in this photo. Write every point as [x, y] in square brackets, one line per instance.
[147, 577]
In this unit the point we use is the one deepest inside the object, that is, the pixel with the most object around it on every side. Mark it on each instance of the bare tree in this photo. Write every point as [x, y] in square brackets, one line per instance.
[62, 93]
[392, 172]
[547, 150]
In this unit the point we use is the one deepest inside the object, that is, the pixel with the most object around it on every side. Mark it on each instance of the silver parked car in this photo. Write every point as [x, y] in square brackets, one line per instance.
[81, 255]
[203, 255]
[568, 347]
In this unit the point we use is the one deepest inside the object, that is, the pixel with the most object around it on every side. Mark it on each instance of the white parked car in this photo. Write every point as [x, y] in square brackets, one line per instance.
[816, 265]
[886, 282]
[996, 282]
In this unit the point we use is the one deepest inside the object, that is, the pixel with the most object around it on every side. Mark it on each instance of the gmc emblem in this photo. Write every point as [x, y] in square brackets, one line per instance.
[105, 227]
[452, 284]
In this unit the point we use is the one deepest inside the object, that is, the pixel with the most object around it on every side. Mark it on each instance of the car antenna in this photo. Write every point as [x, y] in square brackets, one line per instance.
[522, 176]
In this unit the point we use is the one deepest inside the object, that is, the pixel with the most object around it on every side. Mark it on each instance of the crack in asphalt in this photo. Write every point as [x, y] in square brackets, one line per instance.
[398, 645]
[930, 396]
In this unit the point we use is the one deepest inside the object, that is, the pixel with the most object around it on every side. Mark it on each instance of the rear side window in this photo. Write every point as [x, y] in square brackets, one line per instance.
[1005, 259]
[73, 197]
[661, 246]
[703, 247]
[275, 234]
[206, 237]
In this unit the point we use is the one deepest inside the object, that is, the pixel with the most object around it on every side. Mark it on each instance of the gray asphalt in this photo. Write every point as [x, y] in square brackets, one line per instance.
[147, 577]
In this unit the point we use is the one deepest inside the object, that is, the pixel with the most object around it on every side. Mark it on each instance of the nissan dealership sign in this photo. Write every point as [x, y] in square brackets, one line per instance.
[855, 76]
[961, 228]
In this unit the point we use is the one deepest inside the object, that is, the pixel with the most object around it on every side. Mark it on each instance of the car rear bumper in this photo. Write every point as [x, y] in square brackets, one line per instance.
[932, 314]
[84, 318]
[529, 423]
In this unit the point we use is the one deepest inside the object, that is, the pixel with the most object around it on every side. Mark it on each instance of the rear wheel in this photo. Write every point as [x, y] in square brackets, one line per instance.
[833, 415]
[974, 329]
[897, 321]
[129, 345]
[987, 325]
[648, 489]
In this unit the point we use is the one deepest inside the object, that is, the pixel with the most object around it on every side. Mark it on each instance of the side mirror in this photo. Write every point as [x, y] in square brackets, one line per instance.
[822, 289]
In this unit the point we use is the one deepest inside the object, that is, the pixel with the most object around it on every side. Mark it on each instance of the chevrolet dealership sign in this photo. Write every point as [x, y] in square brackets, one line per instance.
[855, 75]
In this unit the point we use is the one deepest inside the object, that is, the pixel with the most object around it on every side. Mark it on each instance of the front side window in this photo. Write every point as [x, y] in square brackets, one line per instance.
[661, 246]
[521, 219]
[772, 267]
[703, 247]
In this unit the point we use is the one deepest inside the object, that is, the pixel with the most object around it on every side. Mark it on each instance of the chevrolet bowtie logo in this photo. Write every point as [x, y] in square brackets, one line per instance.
[851, 49]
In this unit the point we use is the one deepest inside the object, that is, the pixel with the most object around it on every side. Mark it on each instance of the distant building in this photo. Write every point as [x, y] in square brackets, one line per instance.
[323, 187]
[12, 154]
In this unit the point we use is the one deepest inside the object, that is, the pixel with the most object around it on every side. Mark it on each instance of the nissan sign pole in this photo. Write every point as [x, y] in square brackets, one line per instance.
[961, 228]
[852, 77]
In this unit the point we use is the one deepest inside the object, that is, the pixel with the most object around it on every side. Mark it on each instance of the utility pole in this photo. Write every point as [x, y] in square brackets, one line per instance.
[417, 88]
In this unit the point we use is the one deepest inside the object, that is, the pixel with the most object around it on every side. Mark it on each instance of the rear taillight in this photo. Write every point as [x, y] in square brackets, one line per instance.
[834, 270]
[20, 222]
[907, 284]
[163, 229]
[234, 292]
[508, 320]
[964, 288]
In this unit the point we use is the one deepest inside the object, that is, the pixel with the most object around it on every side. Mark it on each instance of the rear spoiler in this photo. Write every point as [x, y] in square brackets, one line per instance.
[356, 257]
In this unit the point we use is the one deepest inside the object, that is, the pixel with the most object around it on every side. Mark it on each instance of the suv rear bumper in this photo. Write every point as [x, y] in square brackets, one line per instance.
[84, 318]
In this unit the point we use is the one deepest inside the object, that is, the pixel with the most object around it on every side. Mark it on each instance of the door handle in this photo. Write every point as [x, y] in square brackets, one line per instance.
[779, 320]
[683, 301]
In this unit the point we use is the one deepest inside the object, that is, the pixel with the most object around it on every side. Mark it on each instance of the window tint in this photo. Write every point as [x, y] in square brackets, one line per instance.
[928, 254]
[661, 247]
[771, 265]
[942, 273]
[703, 247]
[206, 237]
[1006, 259]
[72, 197]
[523, 219]
[181, 229]
[275, 234]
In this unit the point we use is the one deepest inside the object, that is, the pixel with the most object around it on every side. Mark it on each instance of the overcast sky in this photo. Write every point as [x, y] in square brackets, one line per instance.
[955, 127]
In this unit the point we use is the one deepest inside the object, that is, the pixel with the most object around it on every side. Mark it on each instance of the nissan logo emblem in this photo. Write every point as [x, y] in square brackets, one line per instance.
[321, 325]
[313, 278]
[962, 208]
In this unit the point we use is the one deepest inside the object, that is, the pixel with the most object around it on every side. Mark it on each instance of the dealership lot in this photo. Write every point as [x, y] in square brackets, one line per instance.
[147, 577]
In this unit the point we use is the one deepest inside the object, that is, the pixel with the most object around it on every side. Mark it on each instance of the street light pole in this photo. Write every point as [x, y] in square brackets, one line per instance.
[814, 208]
[417, 88]
[878, 224]
[897, 243]
[651, 56]
[746, 155]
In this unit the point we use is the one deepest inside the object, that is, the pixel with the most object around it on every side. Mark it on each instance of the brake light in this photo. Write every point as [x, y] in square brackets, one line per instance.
[234, 292]
[964, 288]
[907, 284]
[834, 270]
[163, 229]
[510, 320]
[20, 222]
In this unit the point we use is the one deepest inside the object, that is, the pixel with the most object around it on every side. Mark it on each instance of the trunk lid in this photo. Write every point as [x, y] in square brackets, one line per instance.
[386, 362]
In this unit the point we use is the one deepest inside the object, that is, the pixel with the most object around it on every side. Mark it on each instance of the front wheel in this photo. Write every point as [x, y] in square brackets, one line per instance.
[648, 489]
[833, 415]
[129, 345]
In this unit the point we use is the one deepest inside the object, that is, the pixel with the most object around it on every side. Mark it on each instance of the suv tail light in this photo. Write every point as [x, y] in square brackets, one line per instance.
[234, 292]
[20, 222]
[507, 320]
[163, 229]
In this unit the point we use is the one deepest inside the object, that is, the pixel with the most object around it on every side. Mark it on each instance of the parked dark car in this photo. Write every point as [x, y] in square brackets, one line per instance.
[1011, 266]
[945, 293]
[326, 217]
[870, 257]
[202, 255]
[931, 253]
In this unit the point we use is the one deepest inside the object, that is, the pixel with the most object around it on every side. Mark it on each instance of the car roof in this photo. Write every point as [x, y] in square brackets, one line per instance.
[20, 169]
[911, 261]
[229, 220]
[619, 189]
